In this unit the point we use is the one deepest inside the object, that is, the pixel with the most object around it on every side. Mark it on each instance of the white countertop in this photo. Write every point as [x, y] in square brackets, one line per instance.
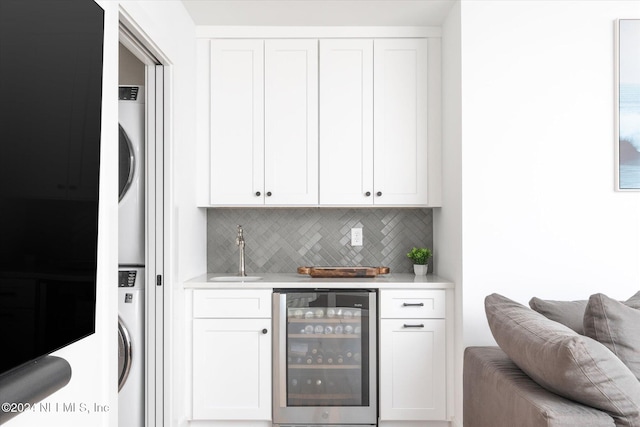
[293, 280]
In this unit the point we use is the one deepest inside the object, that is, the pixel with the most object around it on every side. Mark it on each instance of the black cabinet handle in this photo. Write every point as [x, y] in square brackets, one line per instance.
[264, 331]
[258, 194]
[268, 193]
[413, 326]
[368, 193]
[412, 304]
[379, 193]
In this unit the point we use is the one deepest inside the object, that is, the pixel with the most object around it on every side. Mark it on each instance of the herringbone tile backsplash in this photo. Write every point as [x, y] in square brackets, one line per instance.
[281, 240]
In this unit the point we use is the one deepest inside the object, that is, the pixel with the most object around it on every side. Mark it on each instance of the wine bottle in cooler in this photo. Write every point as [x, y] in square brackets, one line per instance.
[329, 358]
[294, 385]
[348, 355]
[330, 387]
[314, 350]
[307, 386]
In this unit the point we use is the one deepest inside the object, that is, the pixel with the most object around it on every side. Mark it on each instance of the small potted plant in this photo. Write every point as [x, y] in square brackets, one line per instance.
[420, 257]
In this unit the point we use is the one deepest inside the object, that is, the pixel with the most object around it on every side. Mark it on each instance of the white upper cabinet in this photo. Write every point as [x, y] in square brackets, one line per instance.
[264, 122]
[237, 121]
[330, 122]
[346, 122]
[374, 142]
[400, 117]
[291, 122]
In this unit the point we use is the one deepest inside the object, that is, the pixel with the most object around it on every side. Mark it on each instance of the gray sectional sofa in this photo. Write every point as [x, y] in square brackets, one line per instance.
[545, 373]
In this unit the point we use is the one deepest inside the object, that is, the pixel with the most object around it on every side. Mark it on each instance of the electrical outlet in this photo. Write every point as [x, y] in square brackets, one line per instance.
[356, 237]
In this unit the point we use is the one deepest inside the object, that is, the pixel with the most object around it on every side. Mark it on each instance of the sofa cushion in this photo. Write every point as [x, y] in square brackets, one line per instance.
[563, 361]
[617, 326]
[569, 313]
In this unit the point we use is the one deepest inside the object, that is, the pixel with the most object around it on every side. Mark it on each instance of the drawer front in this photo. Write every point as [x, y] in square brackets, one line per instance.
[412, 304]
[232, 303]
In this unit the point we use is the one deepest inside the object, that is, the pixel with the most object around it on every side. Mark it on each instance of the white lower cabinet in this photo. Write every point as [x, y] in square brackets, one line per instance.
[232, 355]
[412, 356]
[231, 358]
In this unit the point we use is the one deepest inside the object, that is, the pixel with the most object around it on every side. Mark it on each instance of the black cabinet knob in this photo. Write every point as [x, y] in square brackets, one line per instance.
[368, 193]
[268, 193]
[264, 331]
[379, 193]
[258, 194]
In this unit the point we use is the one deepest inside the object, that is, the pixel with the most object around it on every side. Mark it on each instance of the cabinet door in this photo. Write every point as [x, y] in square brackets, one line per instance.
[400, 116]
[346, 122]
[237, 122]
[412, 369]
[232, 369]
[291, 122]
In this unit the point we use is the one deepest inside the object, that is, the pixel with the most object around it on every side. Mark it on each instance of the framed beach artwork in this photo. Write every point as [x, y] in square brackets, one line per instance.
[628, 105]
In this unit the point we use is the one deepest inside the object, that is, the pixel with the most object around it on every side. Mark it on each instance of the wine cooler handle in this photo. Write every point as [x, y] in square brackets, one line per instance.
[409, 304]
[413, 326]
[264, 331]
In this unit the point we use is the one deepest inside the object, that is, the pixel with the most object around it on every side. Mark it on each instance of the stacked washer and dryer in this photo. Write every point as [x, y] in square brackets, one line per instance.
[131, 257]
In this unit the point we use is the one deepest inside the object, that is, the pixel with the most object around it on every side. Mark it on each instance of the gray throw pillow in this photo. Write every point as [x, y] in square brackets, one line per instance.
[617, 326]
[569, 313]
[564, 362]
[634, 301]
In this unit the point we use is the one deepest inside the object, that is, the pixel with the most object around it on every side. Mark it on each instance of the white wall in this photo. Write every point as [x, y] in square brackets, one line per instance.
[447, 220]
[94, 360]
[529, 206]
[540, 214]
[130, 69]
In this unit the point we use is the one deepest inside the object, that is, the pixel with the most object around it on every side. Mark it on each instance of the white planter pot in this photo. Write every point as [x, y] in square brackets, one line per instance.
[420, 270]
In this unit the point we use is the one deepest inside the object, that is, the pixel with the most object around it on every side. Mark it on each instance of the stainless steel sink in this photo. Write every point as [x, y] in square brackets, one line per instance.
[235, 279]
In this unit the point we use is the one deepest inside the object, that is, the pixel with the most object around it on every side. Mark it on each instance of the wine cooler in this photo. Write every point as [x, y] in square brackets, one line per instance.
[324, 358]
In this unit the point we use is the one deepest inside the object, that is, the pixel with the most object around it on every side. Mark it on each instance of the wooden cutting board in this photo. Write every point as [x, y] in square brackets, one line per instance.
[338, 272]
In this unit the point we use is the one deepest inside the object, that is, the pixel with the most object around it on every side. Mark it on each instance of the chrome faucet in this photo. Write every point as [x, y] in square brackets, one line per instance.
[240, 244]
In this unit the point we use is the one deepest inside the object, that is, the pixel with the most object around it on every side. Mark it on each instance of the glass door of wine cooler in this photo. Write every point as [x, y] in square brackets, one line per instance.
[325, 357]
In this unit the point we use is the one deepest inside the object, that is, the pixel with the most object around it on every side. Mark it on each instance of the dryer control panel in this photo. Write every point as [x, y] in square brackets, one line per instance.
[126, 279]
[128, 93]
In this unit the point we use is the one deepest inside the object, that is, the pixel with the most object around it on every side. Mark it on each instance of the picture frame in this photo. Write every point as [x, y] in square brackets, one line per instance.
[627, 126]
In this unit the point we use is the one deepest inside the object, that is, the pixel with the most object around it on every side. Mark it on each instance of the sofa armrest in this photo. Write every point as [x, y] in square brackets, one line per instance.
[498, 394]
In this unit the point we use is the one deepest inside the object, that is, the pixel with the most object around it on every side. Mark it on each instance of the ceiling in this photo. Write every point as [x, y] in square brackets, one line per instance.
[319, 12]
